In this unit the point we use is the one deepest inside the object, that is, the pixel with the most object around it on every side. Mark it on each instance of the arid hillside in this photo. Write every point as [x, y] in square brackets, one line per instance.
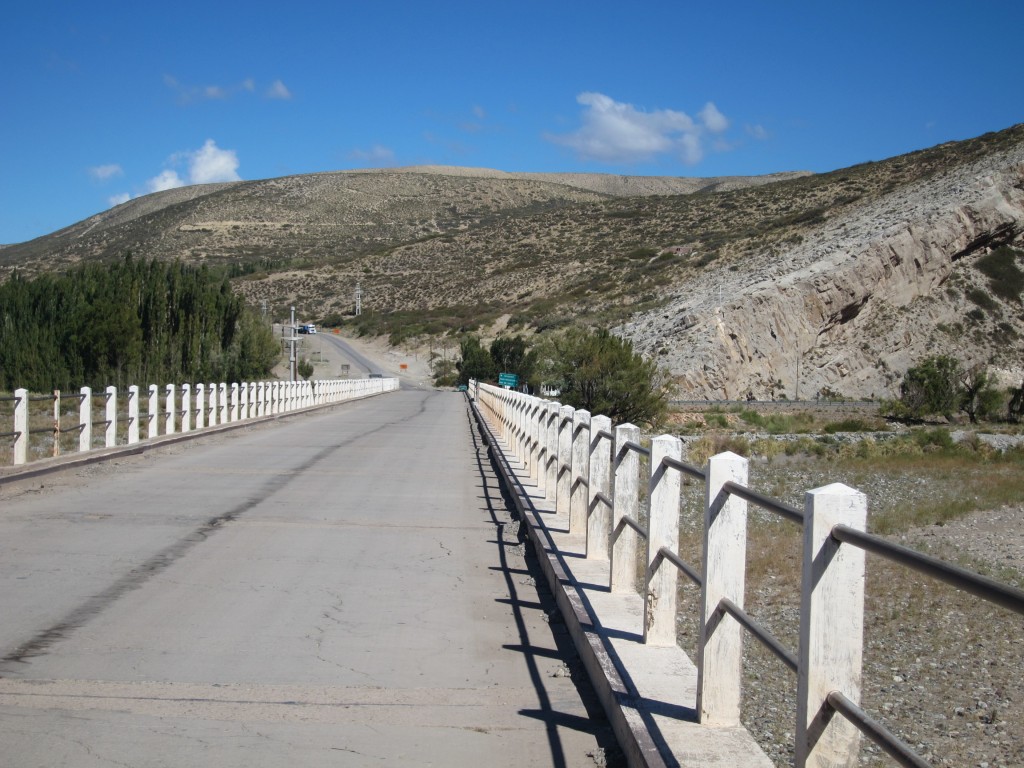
[783, 285]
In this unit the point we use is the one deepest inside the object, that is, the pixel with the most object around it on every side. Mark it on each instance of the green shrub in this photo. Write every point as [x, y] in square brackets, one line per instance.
[1005, 278]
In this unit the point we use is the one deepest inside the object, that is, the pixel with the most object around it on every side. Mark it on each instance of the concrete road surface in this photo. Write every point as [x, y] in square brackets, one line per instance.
[342, 588]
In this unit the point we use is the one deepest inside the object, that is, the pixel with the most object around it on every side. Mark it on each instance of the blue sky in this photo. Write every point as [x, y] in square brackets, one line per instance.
[102, 101]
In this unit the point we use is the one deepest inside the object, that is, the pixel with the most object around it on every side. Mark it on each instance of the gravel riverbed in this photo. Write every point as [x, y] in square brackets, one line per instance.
[942, 669]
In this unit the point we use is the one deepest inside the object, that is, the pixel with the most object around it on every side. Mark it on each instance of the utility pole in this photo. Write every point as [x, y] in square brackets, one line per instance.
[292, 364]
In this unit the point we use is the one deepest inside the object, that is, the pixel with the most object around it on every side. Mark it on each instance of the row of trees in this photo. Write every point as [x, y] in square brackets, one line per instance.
[128, 323]
[942, 386]
[590, 369]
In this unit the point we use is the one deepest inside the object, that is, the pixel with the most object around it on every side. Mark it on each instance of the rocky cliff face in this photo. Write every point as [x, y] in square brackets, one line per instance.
[862, 298]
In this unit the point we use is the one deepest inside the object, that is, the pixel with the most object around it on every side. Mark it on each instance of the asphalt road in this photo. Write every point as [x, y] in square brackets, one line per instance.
[343, 588]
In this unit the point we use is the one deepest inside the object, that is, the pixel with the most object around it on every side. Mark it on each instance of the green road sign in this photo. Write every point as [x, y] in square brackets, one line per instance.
[508, 380]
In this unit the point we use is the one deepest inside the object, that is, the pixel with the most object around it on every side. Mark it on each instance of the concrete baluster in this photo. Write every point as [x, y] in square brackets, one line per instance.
[214, 407]
[831, 627]
[720, 645]
[579, 495]
[21, 426]
[110, 416]
[133, 414]
[599, 515]
[662, 577]
[223, 403]
[235, 404]
[153, 412]
[85, 420]
[186, 407]
[169, 413]
[552, 413]
[200, 406]
[626, 503]
[564, 461]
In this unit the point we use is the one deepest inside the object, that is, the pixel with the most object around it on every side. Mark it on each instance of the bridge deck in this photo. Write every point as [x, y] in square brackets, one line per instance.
[342, 588]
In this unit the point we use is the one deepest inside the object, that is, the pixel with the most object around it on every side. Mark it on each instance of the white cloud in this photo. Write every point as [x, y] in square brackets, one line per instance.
[757, 131]
[713, 120]
[278, 90]
[124, 197]
[105, 172]
[206, 165]
[168, 179]
[211, 164]
[615, 132]
[374, 157]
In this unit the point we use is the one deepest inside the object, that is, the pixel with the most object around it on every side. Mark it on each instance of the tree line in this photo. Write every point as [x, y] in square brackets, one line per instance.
[129, 322]
[589, 368]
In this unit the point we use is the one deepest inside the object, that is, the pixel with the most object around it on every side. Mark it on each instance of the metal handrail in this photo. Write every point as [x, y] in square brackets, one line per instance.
[10, 434]
[632, 523]
[765, 502]
[9, 399]
[599, 496]
[976, 584]
[604, 433]
[41, 398]
[767, 639]
[682, 466]
[874, 730]
[629, 445]
[667, 554]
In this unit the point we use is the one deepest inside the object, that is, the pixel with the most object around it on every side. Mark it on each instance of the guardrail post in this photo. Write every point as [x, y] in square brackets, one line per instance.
[234, 402]
[214, 410]
[831, 627]
[626, 503]
[85, 420]
[720, 649]
[110, 414]
[661, 577]
[169, 404]
[153, 408]
[551, 416]
[599, 515]
[21, 426]
[536, 441]
[223, 403]
[579, 496]
[186, 407]
[200, 406]
[133, 414]
[563, 467]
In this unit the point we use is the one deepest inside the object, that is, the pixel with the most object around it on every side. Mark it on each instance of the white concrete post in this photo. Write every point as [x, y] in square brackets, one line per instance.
[579, 496]
[214, 410]
[244, 402]
[223, 403]
[563, 466]
[261, 398]
[720, 648]
[170, 389]
[133, 414]
[551, 415]
[234, 402]
[110, 415]
[536, 447]
[663, 531]
[831, 627]
[153, 410]
[85, 420]
[626, 503]
[21, 426]
[599, 520]
[200, 405]
[186, 407]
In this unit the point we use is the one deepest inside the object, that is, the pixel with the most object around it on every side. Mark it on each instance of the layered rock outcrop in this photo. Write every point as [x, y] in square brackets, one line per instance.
[862, 298]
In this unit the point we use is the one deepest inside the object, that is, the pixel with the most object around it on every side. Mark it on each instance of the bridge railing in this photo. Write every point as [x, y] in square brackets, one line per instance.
[107, 419]
[593, 474]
